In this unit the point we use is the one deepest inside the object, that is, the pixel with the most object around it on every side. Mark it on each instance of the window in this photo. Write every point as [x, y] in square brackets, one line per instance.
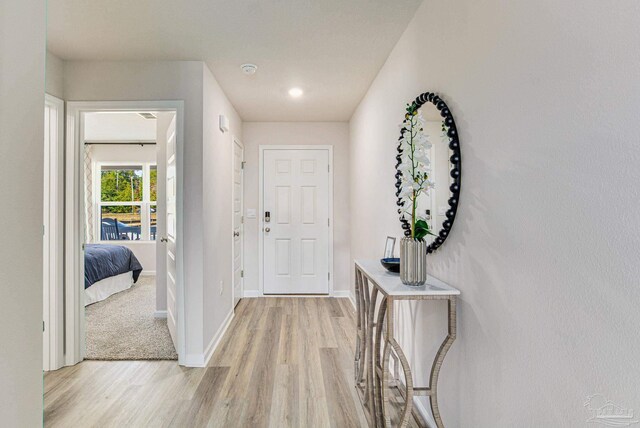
[126, 209]
[153, 186]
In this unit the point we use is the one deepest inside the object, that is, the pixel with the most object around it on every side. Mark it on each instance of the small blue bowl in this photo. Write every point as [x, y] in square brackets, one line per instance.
[391, 264]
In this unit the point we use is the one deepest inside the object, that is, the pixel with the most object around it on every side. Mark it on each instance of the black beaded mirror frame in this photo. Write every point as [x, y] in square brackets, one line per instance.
[455, 172]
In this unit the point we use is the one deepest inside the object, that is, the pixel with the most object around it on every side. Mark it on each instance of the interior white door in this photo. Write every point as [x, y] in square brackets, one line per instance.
[296, 221]
[238, 226]
[171, 189]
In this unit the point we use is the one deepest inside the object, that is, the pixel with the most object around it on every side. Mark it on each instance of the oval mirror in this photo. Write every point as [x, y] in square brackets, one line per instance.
[428, 170]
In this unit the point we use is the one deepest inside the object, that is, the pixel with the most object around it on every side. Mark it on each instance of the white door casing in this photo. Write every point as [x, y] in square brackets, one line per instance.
[74, 217]
[238, 221]
[53, 267]
[171, 230]
[296, 237]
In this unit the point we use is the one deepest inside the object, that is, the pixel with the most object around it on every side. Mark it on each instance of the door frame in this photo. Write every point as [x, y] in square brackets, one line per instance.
[262, 148]
[234, 141]
[53, 234]
[74, 219]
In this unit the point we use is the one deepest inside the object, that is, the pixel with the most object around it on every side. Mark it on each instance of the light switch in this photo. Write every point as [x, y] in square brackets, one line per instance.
[251, 213]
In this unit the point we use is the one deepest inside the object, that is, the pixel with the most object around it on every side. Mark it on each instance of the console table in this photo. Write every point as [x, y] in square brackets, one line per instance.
[375, 343]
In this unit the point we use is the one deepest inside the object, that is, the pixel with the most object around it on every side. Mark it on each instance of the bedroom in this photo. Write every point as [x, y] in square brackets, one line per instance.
[124, 318]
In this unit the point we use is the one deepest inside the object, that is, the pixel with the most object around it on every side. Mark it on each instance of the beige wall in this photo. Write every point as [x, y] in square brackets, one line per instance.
[22, 64]
[192, 82]
[546, 98]
[335, 134]
[54, 76]
[160, 80]
[216, 200]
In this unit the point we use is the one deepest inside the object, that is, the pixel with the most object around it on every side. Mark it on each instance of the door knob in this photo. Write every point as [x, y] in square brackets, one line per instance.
[236, 233]
[164, 240]
[267, 229]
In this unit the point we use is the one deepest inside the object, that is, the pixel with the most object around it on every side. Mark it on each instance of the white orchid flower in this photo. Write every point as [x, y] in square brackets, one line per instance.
[415, 164]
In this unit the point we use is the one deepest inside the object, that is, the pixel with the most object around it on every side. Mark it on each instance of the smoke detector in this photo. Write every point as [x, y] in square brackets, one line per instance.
[248, 69]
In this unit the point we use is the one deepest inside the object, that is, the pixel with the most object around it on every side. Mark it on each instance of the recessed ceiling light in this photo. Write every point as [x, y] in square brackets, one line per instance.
[295, 92]
[249, 69]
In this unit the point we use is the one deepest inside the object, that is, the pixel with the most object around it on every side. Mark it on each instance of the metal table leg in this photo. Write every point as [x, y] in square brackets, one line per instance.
[437, 362]
[371, 361]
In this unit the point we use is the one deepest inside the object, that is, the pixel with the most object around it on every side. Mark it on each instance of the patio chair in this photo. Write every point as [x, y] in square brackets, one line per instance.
[109, 230]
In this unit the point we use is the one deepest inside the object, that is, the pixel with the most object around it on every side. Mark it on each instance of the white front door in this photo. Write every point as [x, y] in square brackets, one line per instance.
[238, 157]
[296, 221]
[171, 189]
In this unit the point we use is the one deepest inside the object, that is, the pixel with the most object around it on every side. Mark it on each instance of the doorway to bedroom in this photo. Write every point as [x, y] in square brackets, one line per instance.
[124, 230]
[122, 311]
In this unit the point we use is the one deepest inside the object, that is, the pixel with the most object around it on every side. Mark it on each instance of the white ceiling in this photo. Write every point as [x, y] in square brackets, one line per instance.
[118, 126]
[332, 49]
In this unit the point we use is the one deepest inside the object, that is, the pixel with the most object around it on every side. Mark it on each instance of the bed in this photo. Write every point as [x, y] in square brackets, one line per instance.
[108, 269]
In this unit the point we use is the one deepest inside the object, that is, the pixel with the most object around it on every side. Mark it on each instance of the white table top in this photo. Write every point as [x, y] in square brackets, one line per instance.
[392, 286]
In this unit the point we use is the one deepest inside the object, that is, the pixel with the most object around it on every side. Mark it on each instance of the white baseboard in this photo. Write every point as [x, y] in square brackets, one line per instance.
[250, 294]
[194, 360]
[352, 299]
[341, 293]
[422, 410]
[148, 273]
[215, 341]
[160, 314]
[345, 294]
[202, 360]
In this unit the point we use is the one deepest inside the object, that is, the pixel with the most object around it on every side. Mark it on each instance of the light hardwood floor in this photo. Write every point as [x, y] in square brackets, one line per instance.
[284, 362]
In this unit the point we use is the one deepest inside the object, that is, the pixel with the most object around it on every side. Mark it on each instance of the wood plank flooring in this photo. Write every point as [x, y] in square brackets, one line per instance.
[284, 362]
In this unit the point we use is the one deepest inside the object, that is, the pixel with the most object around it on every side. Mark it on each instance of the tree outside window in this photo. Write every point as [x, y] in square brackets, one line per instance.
[127, 206]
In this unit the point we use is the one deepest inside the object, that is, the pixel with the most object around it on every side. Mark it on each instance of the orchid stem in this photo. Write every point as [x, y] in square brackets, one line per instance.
[413, 173]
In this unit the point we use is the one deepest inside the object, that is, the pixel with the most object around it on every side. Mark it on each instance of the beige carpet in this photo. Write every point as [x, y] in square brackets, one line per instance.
[123, 327]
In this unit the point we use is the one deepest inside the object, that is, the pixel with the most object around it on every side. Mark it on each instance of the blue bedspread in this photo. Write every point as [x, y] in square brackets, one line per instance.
[103, 261]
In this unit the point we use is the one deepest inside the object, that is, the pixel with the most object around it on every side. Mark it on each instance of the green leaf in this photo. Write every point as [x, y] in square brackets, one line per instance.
[422, 230]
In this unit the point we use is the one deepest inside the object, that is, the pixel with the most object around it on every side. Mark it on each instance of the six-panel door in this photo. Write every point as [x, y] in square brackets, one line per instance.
[171, 231]
[296, 237]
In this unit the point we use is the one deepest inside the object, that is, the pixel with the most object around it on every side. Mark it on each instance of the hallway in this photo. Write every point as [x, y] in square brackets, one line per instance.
[283, 362]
